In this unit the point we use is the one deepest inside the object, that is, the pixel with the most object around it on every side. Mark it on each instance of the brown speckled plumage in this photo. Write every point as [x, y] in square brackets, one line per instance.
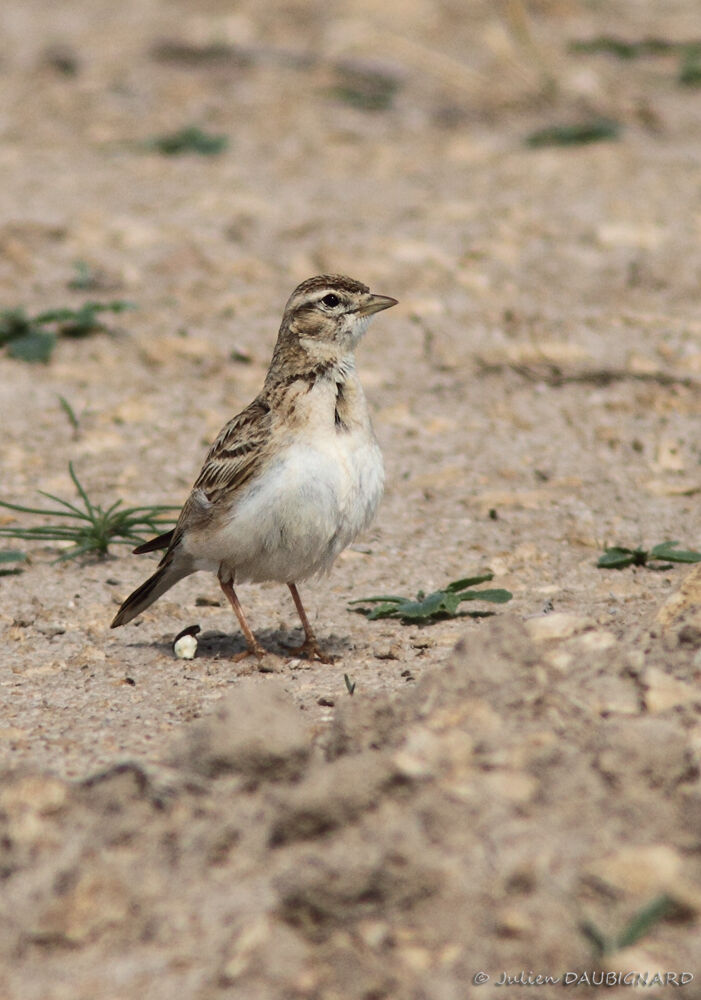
[311, 396]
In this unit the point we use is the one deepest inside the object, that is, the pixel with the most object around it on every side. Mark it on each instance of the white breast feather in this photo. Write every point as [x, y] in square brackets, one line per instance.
[311, 502]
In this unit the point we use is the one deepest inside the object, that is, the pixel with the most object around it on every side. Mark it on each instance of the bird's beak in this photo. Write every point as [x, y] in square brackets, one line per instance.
[375, 304]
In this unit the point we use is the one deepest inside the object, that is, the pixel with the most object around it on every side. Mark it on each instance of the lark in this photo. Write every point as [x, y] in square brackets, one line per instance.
[291, 480]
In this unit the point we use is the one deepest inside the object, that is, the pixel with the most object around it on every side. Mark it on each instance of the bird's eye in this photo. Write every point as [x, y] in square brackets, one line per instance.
[331, 300]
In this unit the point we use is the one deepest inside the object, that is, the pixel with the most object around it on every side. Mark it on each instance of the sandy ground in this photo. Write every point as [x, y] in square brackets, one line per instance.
[493, 787]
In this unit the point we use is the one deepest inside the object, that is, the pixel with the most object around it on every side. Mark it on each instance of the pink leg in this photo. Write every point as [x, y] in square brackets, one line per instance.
[310, 646]
[254, 646]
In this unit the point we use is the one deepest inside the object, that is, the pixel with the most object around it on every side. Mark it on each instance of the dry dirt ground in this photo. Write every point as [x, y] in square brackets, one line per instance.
[493, 787]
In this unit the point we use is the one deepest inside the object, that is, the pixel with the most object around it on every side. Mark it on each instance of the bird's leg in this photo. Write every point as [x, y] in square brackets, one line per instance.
[309, 647]
[253, 645]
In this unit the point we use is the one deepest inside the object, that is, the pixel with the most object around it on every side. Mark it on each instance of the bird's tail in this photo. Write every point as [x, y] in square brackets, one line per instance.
[149, 591]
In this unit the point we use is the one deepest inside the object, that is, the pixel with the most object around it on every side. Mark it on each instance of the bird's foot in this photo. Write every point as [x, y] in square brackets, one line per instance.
[254, 650]
[309, 650]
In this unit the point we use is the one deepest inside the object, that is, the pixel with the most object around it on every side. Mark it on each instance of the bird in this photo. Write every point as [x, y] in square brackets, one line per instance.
[292, 479]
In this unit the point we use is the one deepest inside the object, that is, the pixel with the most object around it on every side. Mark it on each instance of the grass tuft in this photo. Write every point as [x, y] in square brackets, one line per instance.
[89, 527]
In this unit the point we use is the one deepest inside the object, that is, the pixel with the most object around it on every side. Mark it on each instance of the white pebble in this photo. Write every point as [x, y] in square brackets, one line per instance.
[185, 647]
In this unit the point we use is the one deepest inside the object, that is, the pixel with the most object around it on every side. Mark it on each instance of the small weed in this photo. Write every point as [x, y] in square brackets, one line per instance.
[190, 139]
[33, 338]
[597, 130]
[87, 278]
[690, 68]
[11, 556]
[92, 528]
[619, 557]
[689, 74]
[613, 46]
[70, 413]
[350, 685]
[367, 88]
[436, 606]
[640, 924]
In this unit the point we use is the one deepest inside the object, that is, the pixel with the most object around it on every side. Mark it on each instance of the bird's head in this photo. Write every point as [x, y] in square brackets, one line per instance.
[326, 316]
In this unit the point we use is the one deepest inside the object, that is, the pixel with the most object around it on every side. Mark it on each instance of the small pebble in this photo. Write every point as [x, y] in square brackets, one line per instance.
[185, 643]
[185, 647]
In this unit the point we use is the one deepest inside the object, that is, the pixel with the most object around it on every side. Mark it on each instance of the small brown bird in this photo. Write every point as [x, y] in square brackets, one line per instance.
[292, 479]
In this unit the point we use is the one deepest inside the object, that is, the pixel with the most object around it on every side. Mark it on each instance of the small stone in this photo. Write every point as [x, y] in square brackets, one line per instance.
[642, 871]
[94, 904]
[560, 625]
[244, 949]
[51, 629]
[415, 956]
[270, 664]
[683, 608]
[515, 786]
[513, 922]
[374, 933]
[391, 652]
[613, 696]
[598, 641]
[664, 691]
[185, 643]
[185, 648]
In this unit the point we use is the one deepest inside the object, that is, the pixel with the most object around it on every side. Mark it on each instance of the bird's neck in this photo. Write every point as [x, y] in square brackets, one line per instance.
[288, 368]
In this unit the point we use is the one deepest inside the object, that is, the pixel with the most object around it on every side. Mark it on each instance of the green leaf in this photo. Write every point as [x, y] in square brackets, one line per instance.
[69, 411]
[190, 139]
[11, 556]
[612, 45]
[597, 130]
[469, 581]
[669, 552]
[381, 611]
[690, 69]
[431, 605]
[496, 596]
[13, 323]
[375, 600]
[616, 557]
[36, 346]
[644, 920]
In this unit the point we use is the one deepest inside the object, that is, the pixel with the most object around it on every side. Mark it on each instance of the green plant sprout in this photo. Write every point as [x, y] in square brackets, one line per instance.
[690, 67]
[640, 924]
[618, 557]
[85, 278]
[33, 338]
[11, 556]
[440, 604]
[596, 130]
[70, 413]
[190, 139]
[92, 528]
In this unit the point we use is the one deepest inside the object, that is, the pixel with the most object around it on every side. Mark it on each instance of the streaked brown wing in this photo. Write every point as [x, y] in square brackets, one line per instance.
[231, 461]
[236, 453]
